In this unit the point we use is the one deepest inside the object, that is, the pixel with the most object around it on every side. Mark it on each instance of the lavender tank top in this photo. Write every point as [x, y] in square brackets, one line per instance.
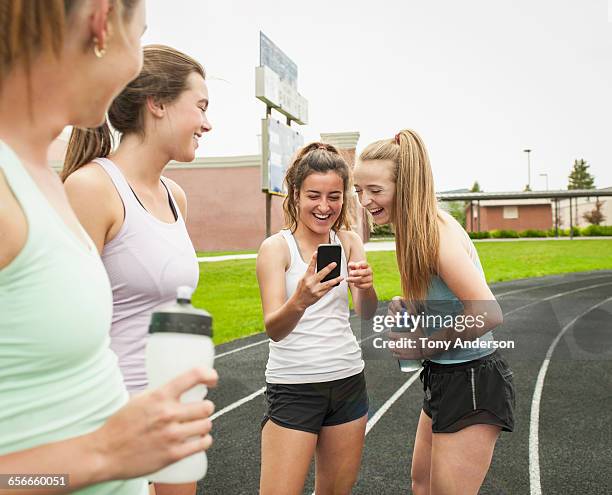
[146, 261]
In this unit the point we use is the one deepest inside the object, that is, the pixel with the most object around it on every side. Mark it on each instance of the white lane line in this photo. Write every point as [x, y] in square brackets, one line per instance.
[227, 353]
[250, 397]
[555, 296]
[535, 487]
[238, 403]
[385, 407]
[525, 289]
[228, 257]
[265, 340]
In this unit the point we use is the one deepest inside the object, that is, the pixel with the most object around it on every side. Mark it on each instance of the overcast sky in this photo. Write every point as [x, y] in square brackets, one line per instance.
[480, 80]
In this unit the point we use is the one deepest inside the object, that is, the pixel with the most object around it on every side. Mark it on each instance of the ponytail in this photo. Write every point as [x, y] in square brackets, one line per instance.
[415, 212]
[417, 238]
[84, 146]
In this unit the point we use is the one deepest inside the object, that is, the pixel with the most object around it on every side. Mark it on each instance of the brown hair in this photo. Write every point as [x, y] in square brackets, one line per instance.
[29, 27]
[415, 212]
[315, 158]
[163, 76]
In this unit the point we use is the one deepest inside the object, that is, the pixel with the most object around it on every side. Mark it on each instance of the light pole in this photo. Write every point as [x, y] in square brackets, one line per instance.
[546, 177]
[528, 169]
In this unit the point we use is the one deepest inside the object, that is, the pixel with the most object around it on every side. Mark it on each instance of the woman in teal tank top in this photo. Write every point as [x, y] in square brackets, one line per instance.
[468, 389]
[63, 404]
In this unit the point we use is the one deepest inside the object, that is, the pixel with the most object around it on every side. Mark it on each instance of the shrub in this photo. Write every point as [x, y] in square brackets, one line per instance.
[382, 231]
[566, 232]
[597, 230]
[504, 234]
[479, 235]
[533, 233]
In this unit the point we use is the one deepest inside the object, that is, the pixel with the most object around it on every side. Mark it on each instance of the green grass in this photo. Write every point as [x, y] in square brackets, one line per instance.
[511, 260]
[228, 289]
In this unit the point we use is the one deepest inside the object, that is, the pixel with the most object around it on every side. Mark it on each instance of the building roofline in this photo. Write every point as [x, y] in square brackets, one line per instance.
[559, 194]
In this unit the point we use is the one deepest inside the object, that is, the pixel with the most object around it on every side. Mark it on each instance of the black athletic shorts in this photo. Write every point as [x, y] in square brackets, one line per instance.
[310, 406]
[475, 392]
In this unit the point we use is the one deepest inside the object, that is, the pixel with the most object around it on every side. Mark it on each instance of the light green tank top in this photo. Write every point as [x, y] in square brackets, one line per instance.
[58, 377]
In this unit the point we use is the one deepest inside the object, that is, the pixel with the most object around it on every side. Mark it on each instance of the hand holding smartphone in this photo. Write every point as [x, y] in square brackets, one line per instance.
[326, 254]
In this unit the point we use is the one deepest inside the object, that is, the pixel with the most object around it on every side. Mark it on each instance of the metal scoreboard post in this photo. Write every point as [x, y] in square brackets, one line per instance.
[276, 86]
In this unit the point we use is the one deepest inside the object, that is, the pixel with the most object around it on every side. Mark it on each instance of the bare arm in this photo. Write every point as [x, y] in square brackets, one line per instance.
[360, 276]
[281, 315]
[459, 273]
[457, 270]
[153, 430]
[95, 201]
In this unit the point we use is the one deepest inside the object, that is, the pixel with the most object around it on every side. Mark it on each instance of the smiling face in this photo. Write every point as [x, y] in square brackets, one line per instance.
[186, 120]
[320, 201]
[375, 187]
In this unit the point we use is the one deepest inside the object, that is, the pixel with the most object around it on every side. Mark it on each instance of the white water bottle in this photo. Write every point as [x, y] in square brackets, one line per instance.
[180, 338]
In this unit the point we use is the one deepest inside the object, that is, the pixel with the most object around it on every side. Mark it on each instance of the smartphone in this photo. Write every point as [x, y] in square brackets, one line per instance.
[326, 254]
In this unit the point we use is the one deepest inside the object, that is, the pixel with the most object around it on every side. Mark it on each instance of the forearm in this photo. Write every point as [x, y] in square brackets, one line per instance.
[366, 302]
[77, 457]
[281, 322]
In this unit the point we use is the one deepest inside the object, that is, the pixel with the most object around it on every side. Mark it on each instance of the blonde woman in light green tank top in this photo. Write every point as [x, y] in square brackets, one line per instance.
[63, 405]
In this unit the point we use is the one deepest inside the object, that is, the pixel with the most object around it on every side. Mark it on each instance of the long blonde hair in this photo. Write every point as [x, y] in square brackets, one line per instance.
[415, 212]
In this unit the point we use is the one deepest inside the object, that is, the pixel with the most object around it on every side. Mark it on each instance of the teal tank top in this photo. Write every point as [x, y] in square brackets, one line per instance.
[442, 301]
[58, 377]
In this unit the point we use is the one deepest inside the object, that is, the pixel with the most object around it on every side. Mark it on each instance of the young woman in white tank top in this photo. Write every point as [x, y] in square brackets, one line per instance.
[316, 396]
[133, 214]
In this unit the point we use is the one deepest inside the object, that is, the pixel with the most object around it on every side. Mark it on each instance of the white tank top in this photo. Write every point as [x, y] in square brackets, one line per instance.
[322, 346]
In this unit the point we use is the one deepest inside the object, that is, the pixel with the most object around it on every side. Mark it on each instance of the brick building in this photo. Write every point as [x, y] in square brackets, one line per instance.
[226, 207]
[510, 214]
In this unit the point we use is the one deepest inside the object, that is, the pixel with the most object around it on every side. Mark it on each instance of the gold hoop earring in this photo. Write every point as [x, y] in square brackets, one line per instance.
[99, 52]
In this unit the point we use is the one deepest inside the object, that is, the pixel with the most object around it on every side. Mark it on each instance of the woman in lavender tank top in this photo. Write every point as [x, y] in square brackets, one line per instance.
[137, 216]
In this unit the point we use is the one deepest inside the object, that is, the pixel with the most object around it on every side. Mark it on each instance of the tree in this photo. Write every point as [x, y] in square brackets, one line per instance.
[595, 216]
[476, 187]
[457, 210]
[580, 178]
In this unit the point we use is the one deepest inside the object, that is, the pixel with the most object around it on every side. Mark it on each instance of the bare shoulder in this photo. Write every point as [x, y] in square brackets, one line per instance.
[350, 240]
[449, 228]
[274, 248]
[179, 194]
[275, 244]
[88, 179]
[13, 224]
[92, 181]
[349, 237]
[453, 237]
